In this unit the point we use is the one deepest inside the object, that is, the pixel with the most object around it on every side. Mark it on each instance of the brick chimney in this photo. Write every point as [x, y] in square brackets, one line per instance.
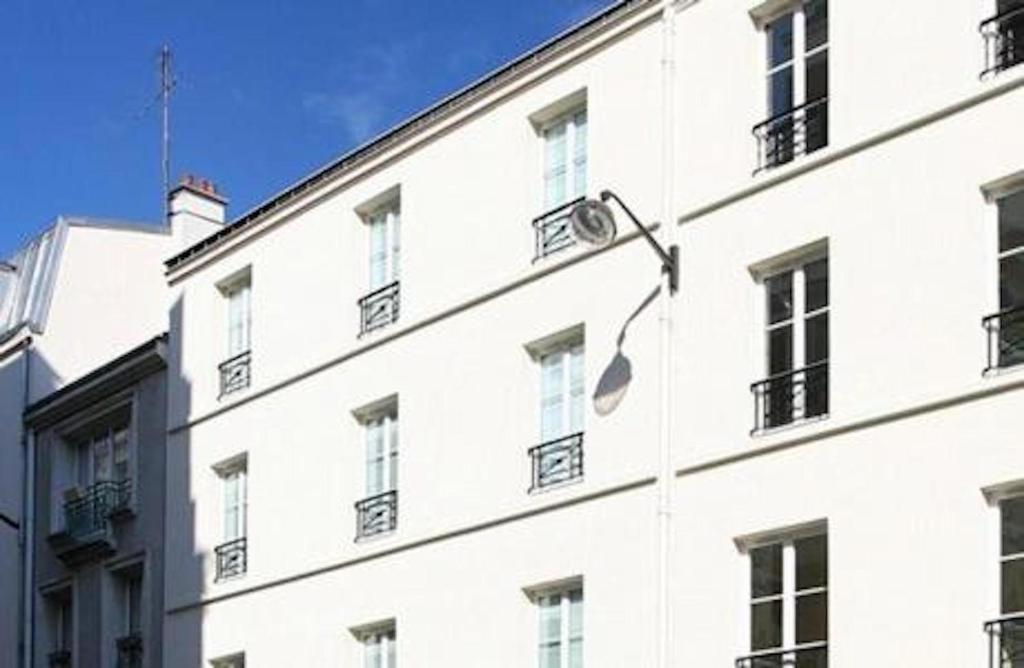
[196, 210]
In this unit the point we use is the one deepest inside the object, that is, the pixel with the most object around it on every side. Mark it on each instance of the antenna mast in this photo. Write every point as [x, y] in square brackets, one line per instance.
[166, 83]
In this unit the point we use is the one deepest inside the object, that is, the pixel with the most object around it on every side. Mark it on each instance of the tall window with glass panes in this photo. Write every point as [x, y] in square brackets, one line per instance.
[561, 628]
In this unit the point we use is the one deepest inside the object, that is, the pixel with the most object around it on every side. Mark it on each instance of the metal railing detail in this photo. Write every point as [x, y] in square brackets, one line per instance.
[808, 655]
[232, 559]
[800, 130]
[552, 230]
[787, 397]
[1005, 341]
[88, 514]
[129, 651]
[1004, 41]
[379, 308]
[1006, 642]
[235, 373]
[556, 461]
[377, 514]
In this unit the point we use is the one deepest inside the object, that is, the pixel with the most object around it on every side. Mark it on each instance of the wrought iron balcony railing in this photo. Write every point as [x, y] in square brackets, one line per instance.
[1004, 41]
[787, 397]
[232, 559]
[379, 308]
[60, 658]
[1005, 338]
[808, 655]
[129, 651]
[376, 514]
[798, 131]
[235, 373]
[1006, 642]
[88, 513]
[552, 230]
[556, 461]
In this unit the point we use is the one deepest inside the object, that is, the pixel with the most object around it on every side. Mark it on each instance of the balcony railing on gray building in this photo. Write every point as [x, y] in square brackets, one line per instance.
[377, 514]
[1006, 642]
[1004, 41]
[379, 308]
[552, 230]
[796, 132]
[808, 655]
[557, 461]
[232, 559]
[129, 651]
[1005, 338]
[235, 373]
[787, 397]
[88, 514]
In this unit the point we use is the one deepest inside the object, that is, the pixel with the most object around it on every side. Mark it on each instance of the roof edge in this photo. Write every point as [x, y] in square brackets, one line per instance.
[409, 126]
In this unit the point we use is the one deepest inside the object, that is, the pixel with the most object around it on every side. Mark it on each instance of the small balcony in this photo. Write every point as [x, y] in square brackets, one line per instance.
[235, 373]
[87, 515]
[793, 133]
[60, 658]
[1005, 338]
[378, 309]
[552, 231]
[808, 655]
[1004, 41]
[376, 515]
[232, 559]
[1006, 642]
[789, 397]
[556, 462]
[129, 651]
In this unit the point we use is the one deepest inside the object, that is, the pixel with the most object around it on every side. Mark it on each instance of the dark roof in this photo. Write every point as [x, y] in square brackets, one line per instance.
[413, 124]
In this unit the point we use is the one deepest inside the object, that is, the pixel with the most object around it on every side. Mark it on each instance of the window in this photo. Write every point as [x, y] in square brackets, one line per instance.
[129, 640]
[235, 372]
[1006, 328]
[377, 512]
[565, 158]
[232, 553]
[797, 346]
[380, 648]
[62, 625]
[385, 226]
[565, 179]
[560, 638]
[559, 456]
[1004, 36]
[789, 604]
[797, 84]
[1007, 632]
[101, 484]
[380, 306]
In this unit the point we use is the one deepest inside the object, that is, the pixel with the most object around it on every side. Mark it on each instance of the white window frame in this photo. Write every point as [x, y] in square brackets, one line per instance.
[571, 120]
[387, 422]
[385, 639]
[388, 216]
[787, 539]
[562, 597]
[237, 293]
[565, 353]
[234, 469]
[800, 55]
[128, 581]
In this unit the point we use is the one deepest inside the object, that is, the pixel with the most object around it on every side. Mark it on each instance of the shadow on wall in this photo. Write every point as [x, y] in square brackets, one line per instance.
[614, 381]
[184, 581]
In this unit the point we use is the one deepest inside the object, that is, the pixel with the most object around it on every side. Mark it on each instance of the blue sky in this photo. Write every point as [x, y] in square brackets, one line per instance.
[268, 90]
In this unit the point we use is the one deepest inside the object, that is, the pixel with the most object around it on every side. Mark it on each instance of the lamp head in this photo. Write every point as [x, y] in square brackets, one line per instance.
[593, 223]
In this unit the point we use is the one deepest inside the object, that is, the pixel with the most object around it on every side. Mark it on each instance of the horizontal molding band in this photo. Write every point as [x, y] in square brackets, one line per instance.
[422, 542]
[400, 331]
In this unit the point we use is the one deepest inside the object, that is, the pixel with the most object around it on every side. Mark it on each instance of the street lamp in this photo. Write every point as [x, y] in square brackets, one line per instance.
[594, 223]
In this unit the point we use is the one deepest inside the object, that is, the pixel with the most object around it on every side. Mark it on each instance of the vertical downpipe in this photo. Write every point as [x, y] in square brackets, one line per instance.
[27, 518]
[668, 234]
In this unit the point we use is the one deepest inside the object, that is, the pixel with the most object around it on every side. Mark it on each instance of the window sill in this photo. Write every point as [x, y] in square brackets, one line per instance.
[555, 486]
[795, 424]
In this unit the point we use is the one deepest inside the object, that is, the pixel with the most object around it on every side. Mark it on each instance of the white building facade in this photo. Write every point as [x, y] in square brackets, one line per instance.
[412, 419]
